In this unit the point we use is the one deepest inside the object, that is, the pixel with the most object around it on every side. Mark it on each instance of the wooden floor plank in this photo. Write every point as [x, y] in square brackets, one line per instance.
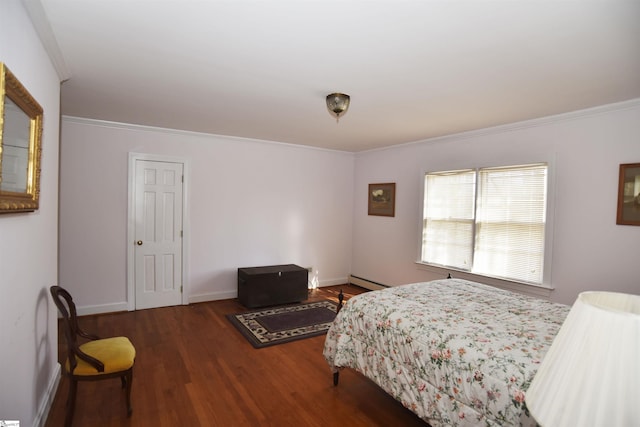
[193, 368]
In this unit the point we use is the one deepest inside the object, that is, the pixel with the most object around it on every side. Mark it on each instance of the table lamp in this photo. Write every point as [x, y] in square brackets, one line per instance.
[591, 374]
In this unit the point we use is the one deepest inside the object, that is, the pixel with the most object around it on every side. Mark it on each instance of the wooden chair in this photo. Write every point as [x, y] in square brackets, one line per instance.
[96, 359]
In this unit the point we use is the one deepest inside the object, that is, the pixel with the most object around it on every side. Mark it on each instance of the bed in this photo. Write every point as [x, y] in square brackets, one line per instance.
[455, 352]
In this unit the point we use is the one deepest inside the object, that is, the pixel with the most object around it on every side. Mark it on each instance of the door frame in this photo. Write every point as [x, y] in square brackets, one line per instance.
[133, 158]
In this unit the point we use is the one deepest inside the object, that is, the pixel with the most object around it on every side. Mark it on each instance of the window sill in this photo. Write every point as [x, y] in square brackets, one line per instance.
[538, 291]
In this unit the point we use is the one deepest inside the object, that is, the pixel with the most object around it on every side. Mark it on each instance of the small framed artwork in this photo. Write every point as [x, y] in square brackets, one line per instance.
[382, 199]
[629, 195]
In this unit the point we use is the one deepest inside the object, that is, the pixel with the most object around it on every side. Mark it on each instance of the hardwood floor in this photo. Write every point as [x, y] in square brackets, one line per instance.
[193, 368]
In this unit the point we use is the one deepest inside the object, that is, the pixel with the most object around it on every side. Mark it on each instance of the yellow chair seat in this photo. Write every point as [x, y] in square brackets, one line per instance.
[117, 354]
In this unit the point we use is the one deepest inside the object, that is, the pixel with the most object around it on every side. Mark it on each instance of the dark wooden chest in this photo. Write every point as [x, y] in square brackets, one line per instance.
[272, 285]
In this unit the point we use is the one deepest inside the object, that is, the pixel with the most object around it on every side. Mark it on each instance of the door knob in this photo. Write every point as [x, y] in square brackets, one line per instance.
[139, 242]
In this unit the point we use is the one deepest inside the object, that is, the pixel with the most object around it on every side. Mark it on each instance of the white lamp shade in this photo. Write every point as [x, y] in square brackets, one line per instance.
[591, 374]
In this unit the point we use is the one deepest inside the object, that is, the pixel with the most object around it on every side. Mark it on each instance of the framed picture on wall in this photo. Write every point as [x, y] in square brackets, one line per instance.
[382, 199]
[629, 194]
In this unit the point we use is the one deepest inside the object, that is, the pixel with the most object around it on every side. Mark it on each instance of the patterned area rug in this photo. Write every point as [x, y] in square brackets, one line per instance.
[278, 325]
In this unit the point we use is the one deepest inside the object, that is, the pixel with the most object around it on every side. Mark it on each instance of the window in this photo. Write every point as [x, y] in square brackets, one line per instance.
[487, 221]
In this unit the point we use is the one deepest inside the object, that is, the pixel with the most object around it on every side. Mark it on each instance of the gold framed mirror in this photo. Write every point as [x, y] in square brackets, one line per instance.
[20, 145]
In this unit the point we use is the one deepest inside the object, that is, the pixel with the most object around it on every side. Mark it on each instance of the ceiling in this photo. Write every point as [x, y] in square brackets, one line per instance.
[414, 69]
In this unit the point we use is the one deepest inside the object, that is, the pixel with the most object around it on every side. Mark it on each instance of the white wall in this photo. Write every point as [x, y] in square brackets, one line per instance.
[257, 203]
[28, 242]
[249, 203]
[590, 252]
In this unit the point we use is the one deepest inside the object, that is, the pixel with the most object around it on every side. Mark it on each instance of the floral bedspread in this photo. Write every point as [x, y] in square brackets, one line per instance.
[456, 353]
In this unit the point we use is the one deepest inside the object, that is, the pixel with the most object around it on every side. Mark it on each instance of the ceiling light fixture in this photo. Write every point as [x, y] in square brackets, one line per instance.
[338, 103]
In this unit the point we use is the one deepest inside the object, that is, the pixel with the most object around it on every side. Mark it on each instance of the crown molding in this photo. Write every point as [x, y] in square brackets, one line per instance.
[525, 124]
[40, 22]
[204, 135]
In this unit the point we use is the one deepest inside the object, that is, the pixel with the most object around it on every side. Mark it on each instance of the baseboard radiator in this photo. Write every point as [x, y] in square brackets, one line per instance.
[365, 283]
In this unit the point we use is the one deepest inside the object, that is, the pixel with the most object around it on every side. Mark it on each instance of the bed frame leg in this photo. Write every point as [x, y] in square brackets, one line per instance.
[340, 299]
[336, 377]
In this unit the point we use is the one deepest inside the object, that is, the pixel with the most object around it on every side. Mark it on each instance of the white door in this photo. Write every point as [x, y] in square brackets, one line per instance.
[157, 233]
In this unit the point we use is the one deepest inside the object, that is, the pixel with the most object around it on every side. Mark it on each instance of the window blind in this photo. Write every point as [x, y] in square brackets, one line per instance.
[489, 221]
[449, 218]
[510, 222]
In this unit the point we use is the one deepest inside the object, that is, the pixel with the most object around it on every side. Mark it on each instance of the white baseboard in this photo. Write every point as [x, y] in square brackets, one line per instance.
[231, 294]
[332, 282]
[366, 283]
[103, 308]
[213, 296]
[205, 297]
[45, 406]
